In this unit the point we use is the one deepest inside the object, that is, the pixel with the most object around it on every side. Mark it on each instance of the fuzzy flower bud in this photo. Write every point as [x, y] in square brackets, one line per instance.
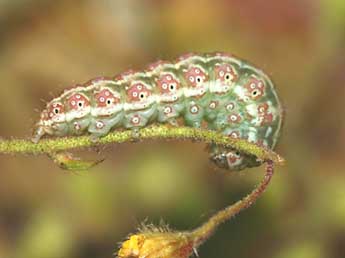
[157, 245]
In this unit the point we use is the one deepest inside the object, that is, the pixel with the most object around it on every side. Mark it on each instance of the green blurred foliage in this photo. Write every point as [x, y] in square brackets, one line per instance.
[47, 46]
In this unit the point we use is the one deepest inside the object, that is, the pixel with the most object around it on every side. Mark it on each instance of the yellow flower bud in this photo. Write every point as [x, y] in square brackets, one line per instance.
[157, 245]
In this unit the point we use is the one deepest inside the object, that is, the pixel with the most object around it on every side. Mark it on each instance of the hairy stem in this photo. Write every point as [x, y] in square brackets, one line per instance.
[161, 243]
[200, 234]
[47, 146]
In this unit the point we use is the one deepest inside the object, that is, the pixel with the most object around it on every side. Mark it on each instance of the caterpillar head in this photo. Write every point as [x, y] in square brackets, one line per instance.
[52, 121]
[231, 159]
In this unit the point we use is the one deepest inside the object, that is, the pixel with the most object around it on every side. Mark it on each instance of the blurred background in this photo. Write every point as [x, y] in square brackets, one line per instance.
[47, 46]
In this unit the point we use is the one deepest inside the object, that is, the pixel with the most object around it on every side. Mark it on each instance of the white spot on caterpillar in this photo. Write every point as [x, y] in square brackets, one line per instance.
[212, 105]
[194, 109]
[230, 106]
[135, 120]
[99, 124]
[167, 110]
[233, 117]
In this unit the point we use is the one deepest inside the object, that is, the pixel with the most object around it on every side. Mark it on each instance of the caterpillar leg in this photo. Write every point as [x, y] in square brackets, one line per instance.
[67, 161]
[194, 115]
[57, 129]
[38, 134]
[168, 115]
[173, 122]
[97, 134]
[135, 134]
[101, 127]
[134, 122]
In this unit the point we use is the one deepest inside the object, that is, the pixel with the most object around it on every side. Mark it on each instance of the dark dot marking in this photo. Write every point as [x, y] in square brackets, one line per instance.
[227, 77]
[108, 101]
[172, 87]
[56, 111]
[80, 104]
[255, 92]
[142, 95]
[198, 79]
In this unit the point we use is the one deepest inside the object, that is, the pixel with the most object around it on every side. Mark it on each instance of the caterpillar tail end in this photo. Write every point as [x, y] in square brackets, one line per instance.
[67, 161]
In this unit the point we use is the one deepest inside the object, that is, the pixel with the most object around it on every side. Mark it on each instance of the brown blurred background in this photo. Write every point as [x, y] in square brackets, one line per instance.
[46, 46]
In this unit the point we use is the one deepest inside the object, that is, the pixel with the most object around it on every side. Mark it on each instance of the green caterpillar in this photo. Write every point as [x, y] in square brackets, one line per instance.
[215, 91]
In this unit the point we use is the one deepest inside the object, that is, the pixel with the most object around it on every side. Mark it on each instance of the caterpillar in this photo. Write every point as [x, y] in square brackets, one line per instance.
[217, 91]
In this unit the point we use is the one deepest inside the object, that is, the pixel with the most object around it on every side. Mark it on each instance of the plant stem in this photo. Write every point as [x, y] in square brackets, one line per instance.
[46, 146]
[202, 233]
